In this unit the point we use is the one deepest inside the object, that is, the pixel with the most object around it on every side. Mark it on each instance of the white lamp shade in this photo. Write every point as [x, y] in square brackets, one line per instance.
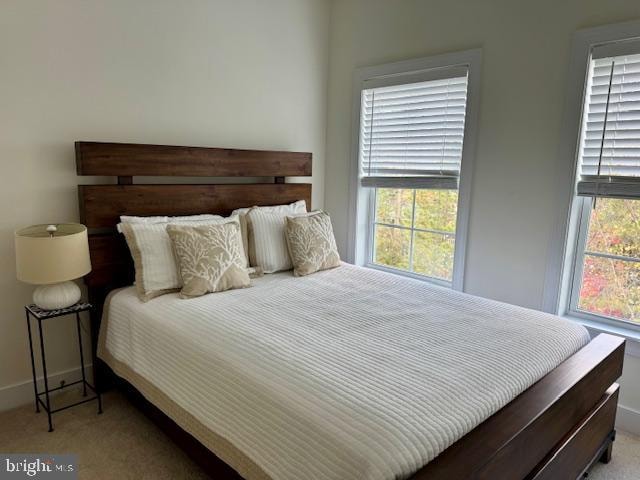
[44, 256]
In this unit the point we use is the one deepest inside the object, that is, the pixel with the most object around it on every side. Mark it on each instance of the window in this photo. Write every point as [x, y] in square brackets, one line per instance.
[605, 282]
[412, 189]
[414, 230]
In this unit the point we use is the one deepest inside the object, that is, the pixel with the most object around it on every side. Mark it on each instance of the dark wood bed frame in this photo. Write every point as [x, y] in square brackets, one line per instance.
[554, 430]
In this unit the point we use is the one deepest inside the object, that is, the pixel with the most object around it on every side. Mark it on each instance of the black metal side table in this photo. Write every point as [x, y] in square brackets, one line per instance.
[40, 315]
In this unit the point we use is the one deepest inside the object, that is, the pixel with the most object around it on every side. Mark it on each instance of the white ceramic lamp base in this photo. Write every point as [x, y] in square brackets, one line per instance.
[57, 295]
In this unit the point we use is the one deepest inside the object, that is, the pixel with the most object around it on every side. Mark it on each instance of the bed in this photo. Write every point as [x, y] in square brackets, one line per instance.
[348, 373]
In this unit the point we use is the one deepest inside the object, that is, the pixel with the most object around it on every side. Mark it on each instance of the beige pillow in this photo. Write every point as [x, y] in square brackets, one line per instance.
[153, 256]
[210, 258]
[311, 243]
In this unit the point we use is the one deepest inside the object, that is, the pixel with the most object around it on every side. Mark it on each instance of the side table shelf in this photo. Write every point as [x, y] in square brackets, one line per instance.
[40, 315]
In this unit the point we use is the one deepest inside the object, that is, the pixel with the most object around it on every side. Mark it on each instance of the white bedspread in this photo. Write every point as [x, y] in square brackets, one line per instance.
[345, 374]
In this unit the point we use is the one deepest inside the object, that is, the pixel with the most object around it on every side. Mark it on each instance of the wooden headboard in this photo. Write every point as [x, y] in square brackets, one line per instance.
[102, 205]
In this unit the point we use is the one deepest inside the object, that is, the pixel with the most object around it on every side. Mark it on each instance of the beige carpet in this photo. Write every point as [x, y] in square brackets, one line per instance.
[119, 444]
[122, 444]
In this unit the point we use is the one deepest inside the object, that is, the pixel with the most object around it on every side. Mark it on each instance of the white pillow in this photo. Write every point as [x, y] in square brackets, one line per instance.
[195, 218]
[267, 237]
[131, 219]
[153, 256]
[300, 205]
[165, 219]
[242, 216]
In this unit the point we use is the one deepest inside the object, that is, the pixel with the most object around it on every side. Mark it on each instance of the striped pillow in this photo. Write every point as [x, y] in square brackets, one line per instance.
[165, 219]
[153, 255]
[267, 239]
[242, 216]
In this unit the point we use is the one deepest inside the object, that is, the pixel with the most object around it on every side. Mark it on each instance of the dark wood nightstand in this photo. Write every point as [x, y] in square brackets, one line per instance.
[40, 315]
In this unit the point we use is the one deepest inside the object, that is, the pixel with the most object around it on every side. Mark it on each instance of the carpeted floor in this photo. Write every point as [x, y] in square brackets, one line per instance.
[123, 444]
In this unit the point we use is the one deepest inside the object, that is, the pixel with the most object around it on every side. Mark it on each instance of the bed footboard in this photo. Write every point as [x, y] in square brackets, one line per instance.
[580, 449]
[561, 424]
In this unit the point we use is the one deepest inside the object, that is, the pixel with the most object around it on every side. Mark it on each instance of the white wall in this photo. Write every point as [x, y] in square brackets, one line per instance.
[232, 73]
[524, 76]
[250, 73]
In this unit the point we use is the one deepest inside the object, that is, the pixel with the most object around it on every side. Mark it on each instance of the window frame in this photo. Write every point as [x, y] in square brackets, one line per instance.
[362, 200]
[568, 239]
[584, 209]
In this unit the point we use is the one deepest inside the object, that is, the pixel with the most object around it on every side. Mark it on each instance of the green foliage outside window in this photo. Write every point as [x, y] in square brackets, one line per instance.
[420, 239]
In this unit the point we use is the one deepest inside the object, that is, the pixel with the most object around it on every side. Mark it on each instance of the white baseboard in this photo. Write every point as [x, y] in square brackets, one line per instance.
[19, 394]
[628, 420]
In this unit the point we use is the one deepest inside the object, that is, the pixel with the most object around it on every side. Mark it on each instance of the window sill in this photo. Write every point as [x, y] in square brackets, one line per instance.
[633, 337]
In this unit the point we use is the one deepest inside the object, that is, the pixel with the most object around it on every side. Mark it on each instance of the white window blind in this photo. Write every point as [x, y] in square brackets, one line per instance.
[412, 134]
[610, 145]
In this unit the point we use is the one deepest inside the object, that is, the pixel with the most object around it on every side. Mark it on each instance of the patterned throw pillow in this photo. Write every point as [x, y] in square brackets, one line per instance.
[152, 251]
[210, 258]
[312, 245]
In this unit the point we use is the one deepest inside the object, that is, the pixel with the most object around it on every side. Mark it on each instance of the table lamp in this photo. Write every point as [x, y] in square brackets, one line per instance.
[50, 256]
